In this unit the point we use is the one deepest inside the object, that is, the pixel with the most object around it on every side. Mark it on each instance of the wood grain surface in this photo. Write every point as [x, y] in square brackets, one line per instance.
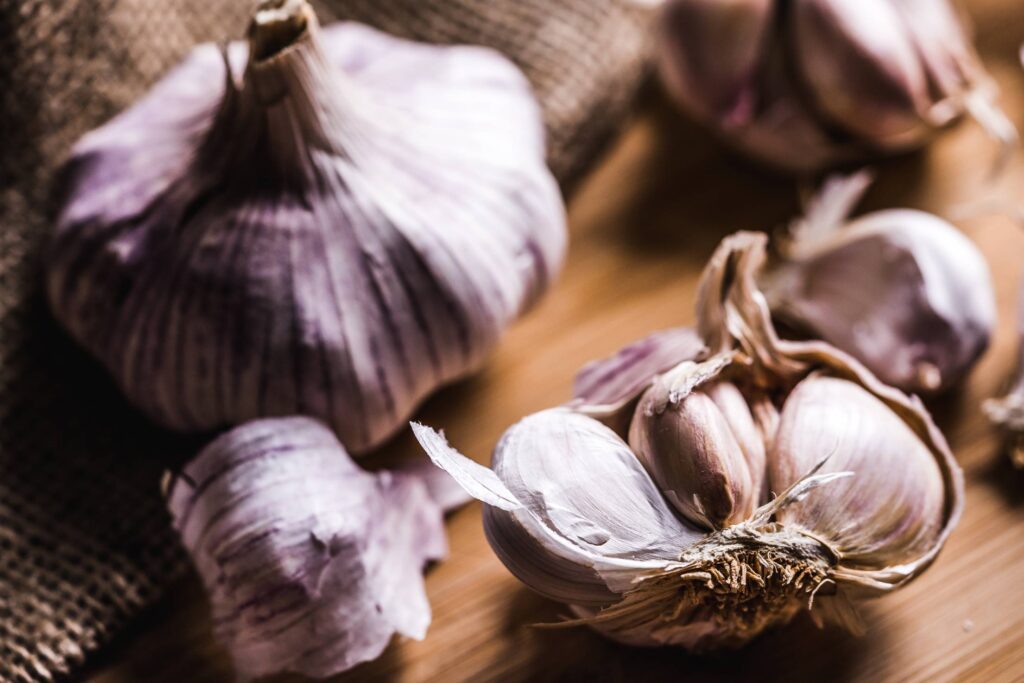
[642, 228]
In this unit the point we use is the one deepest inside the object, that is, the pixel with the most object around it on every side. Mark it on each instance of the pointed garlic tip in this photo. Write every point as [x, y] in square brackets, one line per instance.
[891, 512]
[691, 446]
[311, 563]
[902, 291]
[329, 240]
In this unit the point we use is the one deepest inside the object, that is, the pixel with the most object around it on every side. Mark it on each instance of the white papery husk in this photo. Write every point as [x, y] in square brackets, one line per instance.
[347, 228]
[311, 563]
[573, 513]
[902, 291]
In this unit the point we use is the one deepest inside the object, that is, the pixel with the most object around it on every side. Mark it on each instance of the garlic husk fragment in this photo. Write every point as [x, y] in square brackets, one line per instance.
[1007, 411]
[903, 291]
[809, 84]
[311, 563]
[604, 525]
[349, 227]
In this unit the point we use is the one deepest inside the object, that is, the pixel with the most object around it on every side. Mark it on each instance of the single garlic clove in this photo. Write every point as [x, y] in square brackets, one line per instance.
[891, 510]
[570, 506]
[902, 291]
[711, 53]
[862, 67]
[689, 447]
[610, 387]
[350, 227]
[311, 563]
[751, 435]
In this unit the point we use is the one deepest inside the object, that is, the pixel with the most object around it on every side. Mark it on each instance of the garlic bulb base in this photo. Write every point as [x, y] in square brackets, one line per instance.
[725, 590]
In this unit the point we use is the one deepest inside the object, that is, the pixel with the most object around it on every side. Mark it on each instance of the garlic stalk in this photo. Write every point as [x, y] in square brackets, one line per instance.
[902, 291]
[352, 225]
[807, 84]
[1008, 411]
[310, 562]
[649, 514]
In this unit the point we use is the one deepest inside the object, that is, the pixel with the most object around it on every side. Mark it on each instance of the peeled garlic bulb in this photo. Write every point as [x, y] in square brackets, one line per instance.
[311, 563]
[808, 84]
[351, 226]
[903, 291]
[579, 503]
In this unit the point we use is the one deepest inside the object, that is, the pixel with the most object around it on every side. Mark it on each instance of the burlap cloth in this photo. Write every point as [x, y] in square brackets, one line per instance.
[84, 539]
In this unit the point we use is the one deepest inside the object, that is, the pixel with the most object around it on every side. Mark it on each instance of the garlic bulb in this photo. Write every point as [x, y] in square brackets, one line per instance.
[1008, 411]
[902, 291]
[807, 84]
[351, 226]
[311, 563]
[663, 532]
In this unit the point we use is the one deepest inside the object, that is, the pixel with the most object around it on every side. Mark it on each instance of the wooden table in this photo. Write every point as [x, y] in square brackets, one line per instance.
[642, 227]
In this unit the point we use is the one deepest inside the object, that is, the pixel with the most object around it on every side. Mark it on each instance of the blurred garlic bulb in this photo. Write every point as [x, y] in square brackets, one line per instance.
[808, 84]
[902, 291]
[351, 226]
[311, 563]
[657, 529]
[1008, 411]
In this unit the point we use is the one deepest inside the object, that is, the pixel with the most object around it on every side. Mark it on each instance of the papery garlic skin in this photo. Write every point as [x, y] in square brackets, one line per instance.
[311, 563]
[810, 84]
[903, 291]
[352, 226]
[866, 491]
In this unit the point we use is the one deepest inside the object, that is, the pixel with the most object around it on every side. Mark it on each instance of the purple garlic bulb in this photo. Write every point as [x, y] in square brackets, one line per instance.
[325, 222]
[902, 291]
[311, 563]
[809, 84]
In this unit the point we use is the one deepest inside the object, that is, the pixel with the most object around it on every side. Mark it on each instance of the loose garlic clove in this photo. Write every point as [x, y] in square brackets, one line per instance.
[569, 505]
[902, 291]
[311, 563]
[806, 85]
[891, 510]
[717, 47]
[862, 68]
[689, 446]
[350, 227]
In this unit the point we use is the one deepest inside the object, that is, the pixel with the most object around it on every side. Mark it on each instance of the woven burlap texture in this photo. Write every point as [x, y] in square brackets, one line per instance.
[84, 539]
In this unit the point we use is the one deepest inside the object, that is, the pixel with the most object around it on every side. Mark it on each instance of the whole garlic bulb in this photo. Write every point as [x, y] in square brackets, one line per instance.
[660, 532]
[808, 84]
[351, 226]
[902, 291]
[311, 563]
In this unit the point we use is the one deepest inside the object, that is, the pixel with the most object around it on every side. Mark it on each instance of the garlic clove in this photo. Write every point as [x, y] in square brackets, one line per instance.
[691, 451]
[570, 506]
[750, 435]
[351, 226]
[890, 511]
[311, 563]
[862, 67]
[610, 387]
[903, 291]
[711, 53]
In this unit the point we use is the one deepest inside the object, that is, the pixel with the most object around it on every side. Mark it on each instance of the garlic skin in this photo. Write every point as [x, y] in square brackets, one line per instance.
[903, 291]
[810, 84]
[347, 229]
[311, 563]
[866, 491]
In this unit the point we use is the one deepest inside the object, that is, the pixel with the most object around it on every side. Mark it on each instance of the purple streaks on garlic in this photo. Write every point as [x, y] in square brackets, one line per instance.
[311, 563]
[809, 84]
[333, 226]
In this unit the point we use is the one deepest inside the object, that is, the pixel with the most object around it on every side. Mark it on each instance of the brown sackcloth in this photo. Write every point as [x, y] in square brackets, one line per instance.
[84, 539]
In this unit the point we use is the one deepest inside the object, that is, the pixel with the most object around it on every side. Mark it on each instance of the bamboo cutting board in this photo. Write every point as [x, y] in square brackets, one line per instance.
[642, 227]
